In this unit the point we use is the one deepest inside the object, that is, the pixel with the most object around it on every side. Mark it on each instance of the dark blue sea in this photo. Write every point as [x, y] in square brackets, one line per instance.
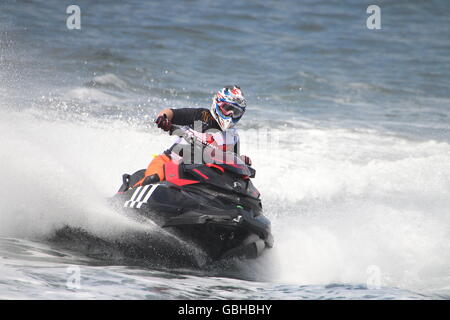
[348, 129]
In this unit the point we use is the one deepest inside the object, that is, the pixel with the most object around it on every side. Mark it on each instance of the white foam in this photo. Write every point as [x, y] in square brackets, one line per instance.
[110, 79]
[56, 173]
[91, 95]
[340, 200]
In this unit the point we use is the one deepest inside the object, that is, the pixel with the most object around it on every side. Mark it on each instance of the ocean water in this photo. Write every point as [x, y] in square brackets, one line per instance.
[348, 129]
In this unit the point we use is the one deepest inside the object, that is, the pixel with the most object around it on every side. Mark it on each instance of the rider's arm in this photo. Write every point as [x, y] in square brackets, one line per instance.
[186, 116]
[181, 116]
[168, 112]
[236, 150]
[236, 147]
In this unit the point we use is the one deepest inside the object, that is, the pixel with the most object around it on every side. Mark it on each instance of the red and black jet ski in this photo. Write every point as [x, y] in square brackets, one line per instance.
[212, 204]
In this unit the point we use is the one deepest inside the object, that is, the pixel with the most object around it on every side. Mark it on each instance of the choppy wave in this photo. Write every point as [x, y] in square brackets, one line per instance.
[347, 128]
[340, 200]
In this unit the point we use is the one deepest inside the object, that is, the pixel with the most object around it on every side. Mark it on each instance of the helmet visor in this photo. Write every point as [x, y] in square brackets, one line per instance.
[230, 110]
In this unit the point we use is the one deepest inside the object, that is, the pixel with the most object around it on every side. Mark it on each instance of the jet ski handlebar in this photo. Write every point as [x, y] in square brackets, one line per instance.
[196, 138]
[191, 136]
[199, 139]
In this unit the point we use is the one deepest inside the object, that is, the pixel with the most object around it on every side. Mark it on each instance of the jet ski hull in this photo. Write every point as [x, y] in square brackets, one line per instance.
[220, 223]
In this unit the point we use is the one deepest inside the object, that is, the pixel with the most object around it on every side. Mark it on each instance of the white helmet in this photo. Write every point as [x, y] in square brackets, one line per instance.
[228, 106]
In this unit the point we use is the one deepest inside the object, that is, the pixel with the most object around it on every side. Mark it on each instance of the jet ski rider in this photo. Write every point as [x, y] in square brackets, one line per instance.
[227, 109]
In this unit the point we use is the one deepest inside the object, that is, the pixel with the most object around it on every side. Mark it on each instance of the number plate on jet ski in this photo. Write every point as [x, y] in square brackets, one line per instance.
[140, 196]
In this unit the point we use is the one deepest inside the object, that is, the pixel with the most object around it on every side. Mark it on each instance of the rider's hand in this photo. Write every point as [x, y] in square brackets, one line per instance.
[247, 160]
[163, 122]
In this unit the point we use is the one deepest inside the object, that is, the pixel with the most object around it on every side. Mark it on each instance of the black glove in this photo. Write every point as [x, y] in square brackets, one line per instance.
[163, 122]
